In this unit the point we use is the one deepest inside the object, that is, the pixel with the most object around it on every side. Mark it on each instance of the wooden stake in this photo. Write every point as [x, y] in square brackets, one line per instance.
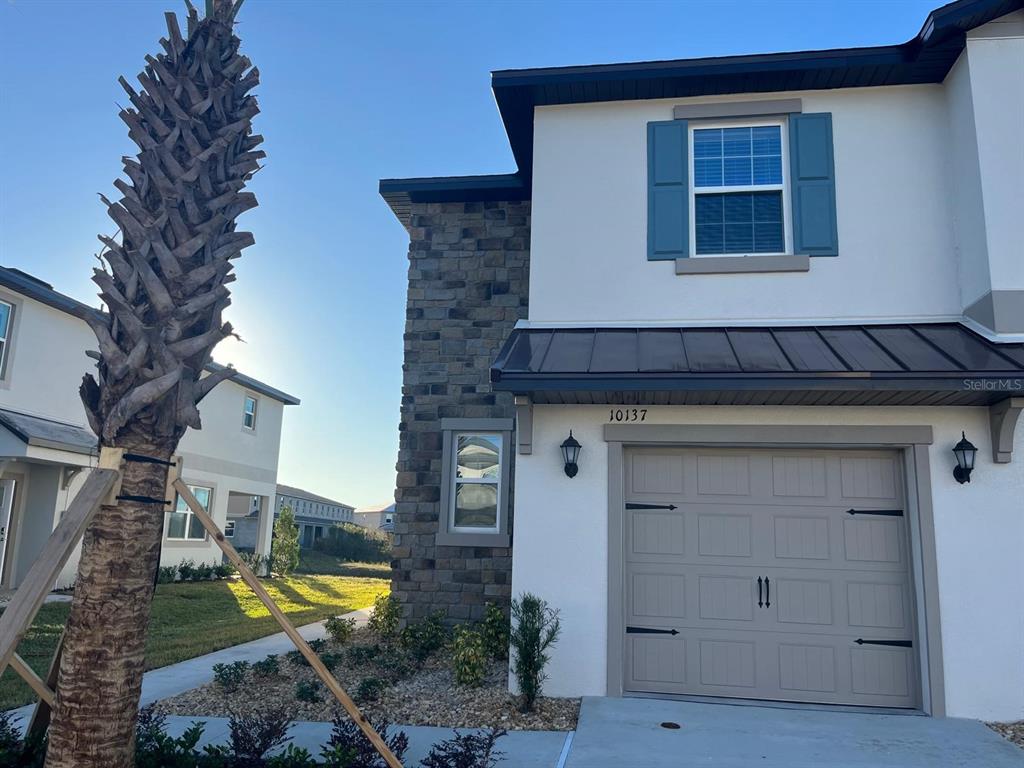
[303, 647]
[41, 714]
[42, 690]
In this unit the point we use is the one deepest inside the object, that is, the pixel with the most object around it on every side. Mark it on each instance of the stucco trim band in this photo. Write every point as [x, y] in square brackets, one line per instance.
[718, 109]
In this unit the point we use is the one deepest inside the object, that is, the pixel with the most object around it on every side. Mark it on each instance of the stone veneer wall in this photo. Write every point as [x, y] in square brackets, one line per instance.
[468, 285]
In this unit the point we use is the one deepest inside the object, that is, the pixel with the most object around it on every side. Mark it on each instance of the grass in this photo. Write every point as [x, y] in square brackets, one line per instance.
[192, 619]
[313, 561]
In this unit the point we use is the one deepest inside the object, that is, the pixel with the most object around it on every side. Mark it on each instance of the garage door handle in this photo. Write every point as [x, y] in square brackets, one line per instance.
[767, 593]
[650, 631]
[760, 601]
[892, 643]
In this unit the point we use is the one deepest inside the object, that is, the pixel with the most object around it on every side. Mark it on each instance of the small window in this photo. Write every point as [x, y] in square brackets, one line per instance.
[249, 415]
[182, 524]
[229, 529]
[738, 192]
[474, 498]
[6, 312]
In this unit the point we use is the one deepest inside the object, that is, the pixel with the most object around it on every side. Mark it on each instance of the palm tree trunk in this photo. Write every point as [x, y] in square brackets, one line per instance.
[102, 664]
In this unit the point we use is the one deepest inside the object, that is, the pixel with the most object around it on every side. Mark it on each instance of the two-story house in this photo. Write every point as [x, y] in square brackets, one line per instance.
[45, 443]
[767, 296]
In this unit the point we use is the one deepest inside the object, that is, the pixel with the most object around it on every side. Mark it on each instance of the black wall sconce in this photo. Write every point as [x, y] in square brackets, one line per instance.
[965, 453]
[571, 452]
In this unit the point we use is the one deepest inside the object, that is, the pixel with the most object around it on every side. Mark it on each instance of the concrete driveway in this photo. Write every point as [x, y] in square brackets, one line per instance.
[627, 733]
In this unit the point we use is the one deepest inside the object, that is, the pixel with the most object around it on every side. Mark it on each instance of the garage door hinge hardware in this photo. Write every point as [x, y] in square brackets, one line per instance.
[651, 506]
[649, 631]
[886, 512]
[894, 643]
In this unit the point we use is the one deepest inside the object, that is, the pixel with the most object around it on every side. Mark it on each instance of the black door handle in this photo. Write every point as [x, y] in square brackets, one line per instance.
[760, 602]
[767, 593]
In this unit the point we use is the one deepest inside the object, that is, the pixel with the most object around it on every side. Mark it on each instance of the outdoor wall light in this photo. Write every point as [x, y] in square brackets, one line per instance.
[571, 452]
[965, 453]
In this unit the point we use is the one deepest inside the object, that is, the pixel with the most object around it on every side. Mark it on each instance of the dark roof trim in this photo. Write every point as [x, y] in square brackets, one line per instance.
[34, 288]
[925, 58]
[400, 194]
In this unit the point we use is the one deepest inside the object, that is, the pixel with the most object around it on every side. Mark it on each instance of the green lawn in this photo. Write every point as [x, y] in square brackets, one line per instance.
[313, 561]
[191, 619]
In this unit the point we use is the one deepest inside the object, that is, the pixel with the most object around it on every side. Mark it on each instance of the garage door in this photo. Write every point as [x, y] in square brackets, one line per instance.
[768, 574]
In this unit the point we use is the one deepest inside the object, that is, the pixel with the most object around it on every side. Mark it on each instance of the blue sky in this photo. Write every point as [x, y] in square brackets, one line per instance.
[351, 92]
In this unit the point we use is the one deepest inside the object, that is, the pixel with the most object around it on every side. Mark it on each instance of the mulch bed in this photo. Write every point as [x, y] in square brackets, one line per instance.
[1012, 731]
[425, 696]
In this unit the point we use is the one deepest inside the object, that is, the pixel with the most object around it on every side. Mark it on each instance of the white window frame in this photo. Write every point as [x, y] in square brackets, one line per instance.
[229, 529]
[784, 187]
[5, 339]
[189, 514]
[245, 411]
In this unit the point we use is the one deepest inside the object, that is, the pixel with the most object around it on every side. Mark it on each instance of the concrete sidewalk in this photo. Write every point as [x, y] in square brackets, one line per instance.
[177, 678]
[523, 749]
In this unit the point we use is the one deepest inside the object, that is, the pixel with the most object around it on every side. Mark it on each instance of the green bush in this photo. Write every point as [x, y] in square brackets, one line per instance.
[386, 613]
[224, 570]
[340, 630]
[348, 541]
[535, 629]
[466, 750]
[423, 638]
[332, 659]
[187, 569]
[267, 667]
[362, 655]
[204, 572]
[307, 690]
[254, 561]
[284, 551]
[167, 574]
[394, 663]
[495, 629]
[370, 689]
[469, 659]
[230, 676]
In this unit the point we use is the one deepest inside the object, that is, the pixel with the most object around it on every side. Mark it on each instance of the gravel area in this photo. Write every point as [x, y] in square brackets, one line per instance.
[427, 696]
[1012, 731]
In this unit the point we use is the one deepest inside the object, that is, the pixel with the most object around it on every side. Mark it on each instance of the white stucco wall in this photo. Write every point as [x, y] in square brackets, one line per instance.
[561, 543]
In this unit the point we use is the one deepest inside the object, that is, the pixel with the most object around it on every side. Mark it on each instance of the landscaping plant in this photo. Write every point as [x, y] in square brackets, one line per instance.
[348, 541]
[230, 676]
[348, 746]
[167, 574]
[469, 659]
[284, 550]
[340, 630]
[423, 638]
[370, 689]
[386, 614]
[535, 628]
[466, 750]
[187, 570]
[495, 630]
[266, 667]
[307, 690]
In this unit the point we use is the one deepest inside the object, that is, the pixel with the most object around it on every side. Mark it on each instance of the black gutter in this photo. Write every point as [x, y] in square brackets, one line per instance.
[739, 382]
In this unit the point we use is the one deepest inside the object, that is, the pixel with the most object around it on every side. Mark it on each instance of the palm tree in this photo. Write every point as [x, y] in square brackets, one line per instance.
[164, 281]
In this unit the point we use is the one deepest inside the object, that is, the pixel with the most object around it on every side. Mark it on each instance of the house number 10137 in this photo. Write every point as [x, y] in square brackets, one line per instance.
[627, 414]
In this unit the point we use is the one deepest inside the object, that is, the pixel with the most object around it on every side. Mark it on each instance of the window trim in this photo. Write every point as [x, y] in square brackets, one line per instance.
[189, 514]
[785, 188]
[447, 534]
[229, 525]
[255, 411]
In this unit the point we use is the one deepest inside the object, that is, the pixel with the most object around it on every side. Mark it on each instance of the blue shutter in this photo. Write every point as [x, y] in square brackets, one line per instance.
[813, 178]
[668, 205]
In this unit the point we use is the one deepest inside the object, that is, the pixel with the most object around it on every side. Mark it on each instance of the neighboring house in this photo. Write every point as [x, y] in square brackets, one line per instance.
[766, 294]
[313, 514]
[45, 443]
[378, 517]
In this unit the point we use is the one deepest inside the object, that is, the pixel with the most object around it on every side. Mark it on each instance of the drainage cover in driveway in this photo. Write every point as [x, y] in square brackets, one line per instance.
[628, 733]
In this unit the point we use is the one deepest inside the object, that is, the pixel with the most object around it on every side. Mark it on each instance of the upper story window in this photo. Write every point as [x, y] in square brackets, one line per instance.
[249, 412]
[181, 523]
[6, 313]
[738, 190]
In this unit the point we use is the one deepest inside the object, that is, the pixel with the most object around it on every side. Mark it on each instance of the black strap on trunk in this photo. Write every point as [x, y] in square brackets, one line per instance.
[138, 457]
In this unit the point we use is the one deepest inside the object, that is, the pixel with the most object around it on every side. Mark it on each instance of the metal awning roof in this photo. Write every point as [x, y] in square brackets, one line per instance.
[904, 364]
[47, 433]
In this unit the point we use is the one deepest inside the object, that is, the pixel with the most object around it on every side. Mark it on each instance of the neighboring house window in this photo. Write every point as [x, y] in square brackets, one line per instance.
[181, 523]
[388, 520]
[474, 498]
[738, 197]
[229, 529]
[6, 312]
[249, 415]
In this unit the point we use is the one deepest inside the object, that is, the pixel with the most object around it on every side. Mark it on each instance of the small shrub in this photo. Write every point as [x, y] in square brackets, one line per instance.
[155, 749]
[495, 629]
[252, 736]
[394, 663]
[535, 629]
[363, 655]
[423, 638]
[284, 551]
[340, 630]
[348, 746]
[469, 658]
[348, 541]
[224, 570]
[296, 659]
[307, 690]
[254, 561]
[332, 659]
[187, 569]
[370, 689]
[230, 676]
[203, 572]
[267, 667]
[317, 645]
[466, 750]
[167, 574]
[384, 619]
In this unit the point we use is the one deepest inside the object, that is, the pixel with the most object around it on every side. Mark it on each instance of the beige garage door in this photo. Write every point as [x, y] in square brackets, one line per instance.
[768, 574]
